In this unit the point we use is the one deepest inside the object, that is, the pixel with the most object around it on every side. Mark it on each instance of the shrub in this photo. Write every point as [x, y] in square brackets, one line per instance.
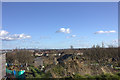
[77, 76]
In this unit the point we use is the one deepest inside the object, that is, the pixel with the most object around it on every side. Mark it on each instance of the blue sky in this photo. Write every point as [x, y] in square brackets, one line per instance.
[43, 22]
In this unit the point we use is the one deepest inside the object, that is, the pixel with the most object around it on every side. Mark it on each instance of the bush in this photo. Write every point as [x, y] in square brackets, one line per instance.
[107, 77]
[38, 70]
[33, 70]
[77, 76]
[37, 75]
[29, 76]
[58, 70]
[118, 74]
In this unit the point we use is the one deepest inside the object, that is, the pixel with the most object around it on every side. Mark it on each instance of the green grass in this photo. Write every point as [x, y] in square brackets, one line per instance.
[58, 70]
[98, 77]
[37, 73]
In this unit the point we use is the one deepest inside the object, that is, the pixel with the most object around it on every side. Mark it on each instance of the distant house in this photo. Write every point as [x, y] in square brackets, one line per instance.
[45, 54]
[55, 54]
[37, 54]
[32, 51]
[59, 54]
[80, 53]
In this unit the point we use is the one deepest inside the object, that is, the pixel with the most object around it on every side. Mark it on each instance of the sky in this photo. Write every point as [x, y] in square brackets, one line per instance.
[51, 25]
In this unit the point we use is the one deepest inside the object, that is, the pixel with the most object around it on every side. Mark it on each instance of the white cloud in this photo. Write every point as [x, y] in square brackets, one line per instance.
[3, 33]
[72, 36]
[7, 37]
[115, 41]
[67, 30]
[63, 30]
[103, 32]
[111, 43]
[23, 36]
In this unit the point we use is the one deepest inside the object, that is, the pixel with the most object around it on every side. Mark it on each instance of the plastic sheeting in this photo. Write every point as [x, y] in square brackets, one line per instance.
[17, 74]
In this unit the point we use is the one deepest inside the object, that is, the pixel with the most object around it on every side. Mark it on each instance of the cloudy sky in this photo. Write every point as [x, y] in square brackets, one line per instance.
[59, 25]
